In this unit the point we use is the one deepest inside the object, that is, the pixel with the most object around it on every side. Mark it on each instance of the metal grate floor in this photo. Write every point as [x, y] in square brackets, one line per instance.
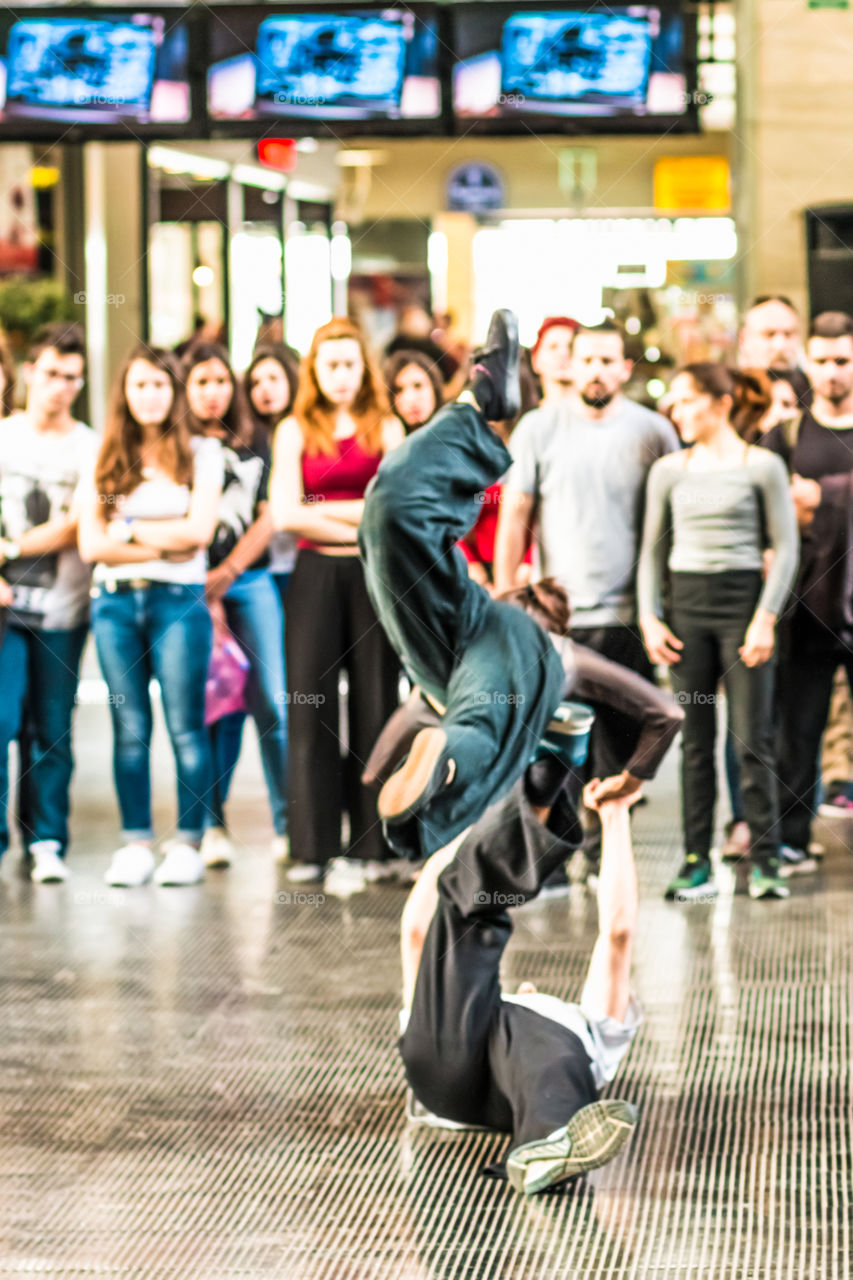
[204, 1082]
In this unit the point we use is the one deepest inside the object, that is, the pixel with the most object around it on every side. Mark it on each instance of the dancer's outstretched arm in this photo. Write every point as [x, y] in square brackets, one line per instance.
[420, 908]
[608, 980]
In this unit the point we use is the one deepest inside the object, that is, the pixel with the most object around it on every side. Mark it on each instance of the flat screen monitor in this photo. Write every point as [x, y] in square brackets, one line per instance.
[580, 68]
[330, 64]
[94, 68]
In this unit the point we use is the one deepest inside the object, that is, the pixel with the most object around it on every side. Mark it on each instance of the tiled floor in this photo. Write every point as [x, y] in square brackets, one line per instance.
[203, 1083]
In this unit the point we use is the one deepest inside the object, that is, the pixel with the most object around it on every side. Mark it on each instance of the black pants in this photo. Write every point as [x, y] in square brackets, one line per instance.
[614, 734]
[494, 669]
[331, 626]
[710, 613]
[808, 661]
[469, 1055]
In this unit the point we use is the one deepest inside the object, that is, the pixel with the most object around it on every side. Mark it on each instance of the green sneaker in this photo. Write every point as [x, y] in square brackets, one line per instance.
[594, 1135]
[693, 881]
[765, 881]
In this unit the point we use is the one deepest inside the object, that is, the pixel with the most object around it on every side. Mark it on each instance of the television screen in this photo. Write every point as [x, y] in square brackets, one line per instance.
[96, 67]
[324, 64]
[621, 64]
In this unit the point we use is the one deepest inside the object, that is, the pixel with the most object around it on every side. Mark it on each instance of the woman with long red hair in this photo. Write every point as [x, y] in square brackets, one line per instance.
[325, 455]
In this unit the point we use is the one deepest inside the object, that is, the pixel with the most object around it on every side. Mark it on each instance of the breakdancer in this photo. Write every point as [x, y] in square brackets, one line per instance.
[488, 664]
[530, 1064]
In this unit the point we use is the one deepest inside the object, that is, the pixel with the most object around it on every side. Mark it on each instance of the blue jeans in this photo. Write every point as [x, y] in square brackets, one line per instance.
[162, 631]
[39, 671]
[254, 614]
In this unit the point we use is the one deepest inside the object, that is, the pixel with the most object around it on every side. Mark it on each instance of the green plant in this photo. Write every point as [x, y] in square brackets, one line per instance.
[26, 304]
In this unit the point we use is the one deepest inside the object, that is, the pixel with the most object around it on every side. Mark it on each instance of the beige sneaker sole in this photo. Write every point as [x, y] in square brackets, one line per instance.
[592, 1137]
[404, 789]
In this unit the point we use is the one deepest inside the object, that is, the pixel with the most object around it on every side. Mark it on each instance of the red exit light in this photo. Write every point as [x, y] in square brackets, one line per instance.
[278, 153]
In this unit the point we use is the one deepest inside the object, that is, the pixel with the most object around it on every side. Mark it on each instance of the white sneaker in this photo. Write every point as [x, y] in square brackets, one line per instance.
[345, 876]
[306, 873]
[183, 864]
[280, 848]
[131, 866]
[217, 847]
[48, 867]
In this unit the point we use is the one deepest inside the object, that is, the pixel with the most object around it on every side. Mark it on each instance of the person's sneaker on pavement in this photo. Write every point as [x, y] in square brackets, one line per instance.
[694, 880]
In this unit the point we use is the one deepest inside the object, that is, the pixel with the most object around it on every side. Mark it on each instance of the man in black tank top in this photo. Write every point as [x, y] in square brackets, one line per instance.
[812, 642]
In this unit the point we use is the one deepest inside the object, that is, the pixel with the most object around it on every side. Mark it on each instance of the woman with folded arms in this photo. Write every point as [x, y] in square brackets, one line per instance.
[145, 526]
[325, 455]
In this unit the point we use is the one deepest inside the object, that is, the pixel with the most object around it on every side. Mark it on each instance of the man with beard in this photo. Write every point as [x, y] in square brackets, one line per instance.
[814, 639]
[578, 480]
[771, 336]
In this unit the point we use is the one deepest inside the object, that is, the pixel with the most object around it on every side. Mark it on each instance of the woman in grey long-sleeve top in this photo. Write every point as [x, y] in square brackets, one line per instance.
[711, 513]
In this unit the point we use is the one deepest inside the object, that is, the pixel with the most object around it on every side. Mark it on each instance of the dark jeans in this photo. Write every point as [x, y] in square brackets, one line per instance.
[807, 667]
[331, 627]
[710, 613]
[470, 1056]
[39, 672]
[254, 615]
[493, 668]
[163, 632]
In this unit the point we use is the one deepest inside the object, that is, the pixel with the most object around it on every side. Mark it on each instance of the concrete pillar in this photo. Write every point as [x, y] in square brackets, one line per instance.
[459, 230]
[115, 263]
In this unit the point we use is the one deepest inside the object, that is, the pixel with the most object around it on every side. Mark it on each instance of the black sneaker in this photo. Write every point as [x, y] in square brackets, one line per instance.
[494, 373]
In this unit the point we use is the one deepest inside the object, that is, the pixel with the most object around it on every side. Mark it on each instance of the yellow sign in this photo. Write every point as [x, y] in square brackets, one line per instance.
[692, 182]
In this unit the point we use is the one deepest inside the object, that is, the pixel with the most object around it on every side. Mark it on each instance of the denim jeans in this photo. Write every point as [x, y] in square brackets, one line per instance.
[39, 671]
[253, 610]
[163, 631]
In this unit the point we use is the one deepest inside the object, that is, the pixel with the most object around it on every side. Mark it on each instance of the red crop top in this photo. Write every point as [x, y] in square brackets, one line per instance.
[338, 477]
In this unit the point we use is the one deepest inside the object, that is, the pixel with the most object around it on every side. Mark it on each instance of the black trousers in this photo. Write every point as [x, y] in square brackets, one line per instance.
[469, 1055]
[710, 613]
[808, 661]
[614, 734]
[331, 626]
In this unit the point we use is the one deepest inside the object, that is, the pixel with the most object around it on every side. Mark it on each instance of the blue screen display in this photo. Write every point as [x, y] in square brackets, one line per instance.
[82, 64]
[576, 57]
[334, 59]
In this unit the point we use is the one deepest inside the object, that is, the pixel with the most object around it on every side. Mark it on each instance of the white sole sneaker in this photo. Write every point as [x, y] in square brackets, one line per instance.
[131, 867]
[49, 871]
[592, 1137]
[183, 865]
[217, 848]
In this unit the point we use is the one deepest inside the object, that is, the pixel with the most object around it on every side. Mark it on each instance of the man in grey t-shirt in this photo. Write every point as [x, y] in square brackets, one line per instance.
[578, 480]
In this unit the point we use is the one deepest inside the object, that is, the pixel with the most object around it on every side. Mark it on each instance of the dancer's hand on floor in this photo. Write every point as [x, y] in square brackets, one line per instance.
[623, 788]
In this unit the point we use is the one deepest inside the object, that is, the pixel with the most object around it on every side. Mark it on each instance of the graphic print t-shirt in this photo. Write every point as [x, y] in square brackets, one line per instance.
[39, 475]
[244, 488]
